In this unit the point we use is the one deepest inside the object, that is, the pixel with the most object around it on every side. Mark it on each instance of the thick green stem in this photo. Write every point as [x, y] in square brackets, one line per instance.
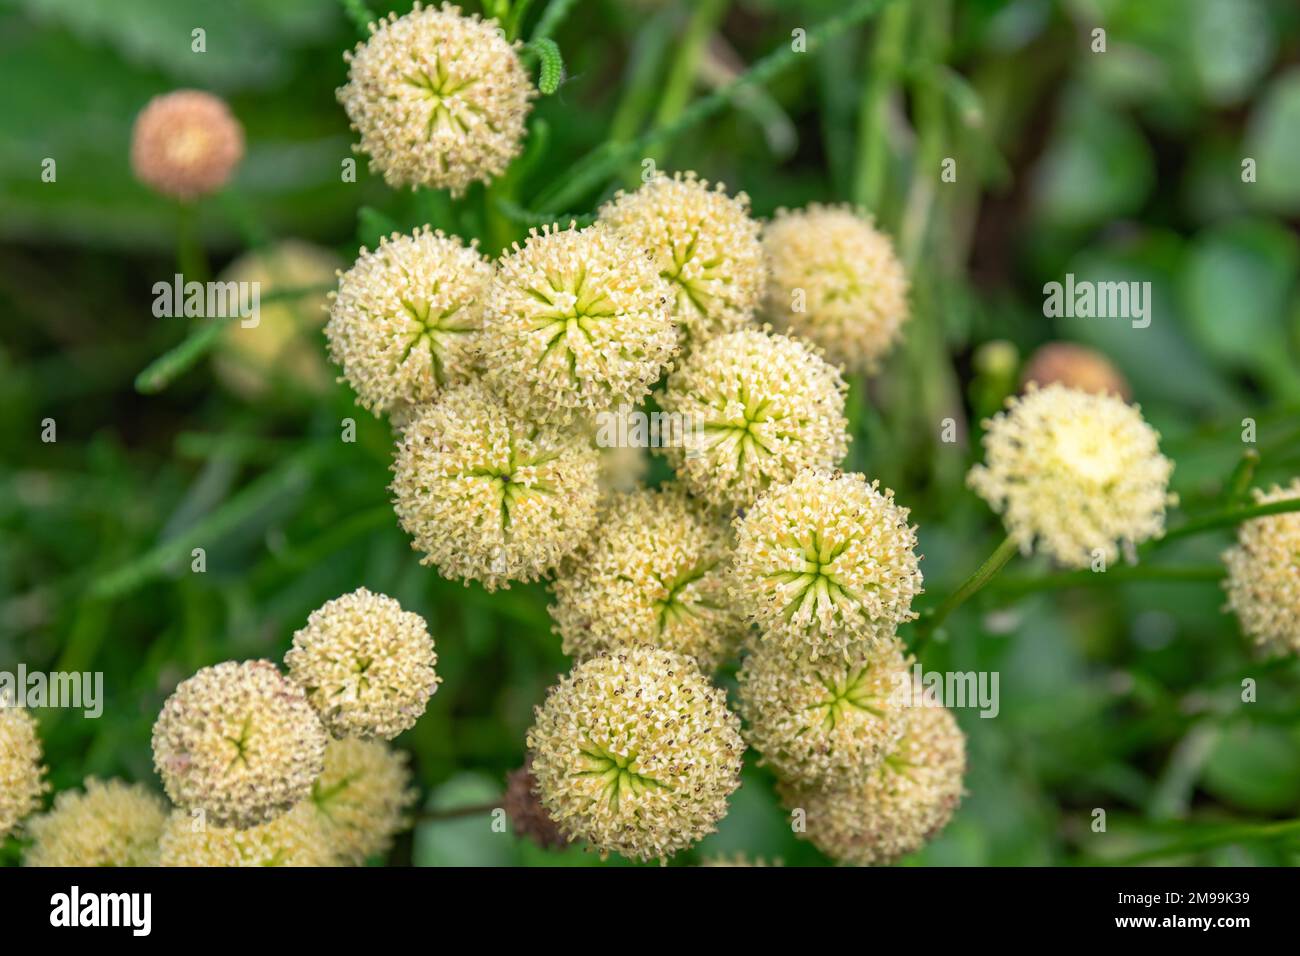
[970, 587]
[551, 18]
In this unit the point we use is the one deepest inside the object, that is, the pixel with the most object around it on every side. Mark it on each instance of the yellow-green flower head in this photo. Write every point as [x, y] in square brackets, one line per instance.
[295, 838]
[367, 665]
[895, 808]
[833, 278]
[22, 776]
[652, 573]
[1074, 474]
[825, 564]
[578, 321]
[706, 246]
[186, 144]
[769, 407]
[818, 723]
[438, 98]
[636, 753]
[487, 496]
[239, 742]
[362, 798]
[284, 345]
[110, 824]
[406, 319]
[1264, 574]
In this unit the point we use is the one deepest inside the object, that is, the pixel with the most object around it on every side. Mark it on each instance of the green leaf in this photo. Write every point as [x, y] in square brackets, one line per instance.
[1256, 768]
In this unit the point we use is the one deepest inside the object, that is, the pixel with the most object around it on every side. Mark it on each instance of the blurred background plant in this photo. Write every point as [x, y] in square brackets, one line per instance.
[1121, 692]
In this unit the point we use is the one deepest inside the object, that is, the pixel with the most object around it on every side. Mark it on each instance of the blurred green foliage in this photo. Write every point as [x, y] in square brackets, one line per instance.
[1122, 165]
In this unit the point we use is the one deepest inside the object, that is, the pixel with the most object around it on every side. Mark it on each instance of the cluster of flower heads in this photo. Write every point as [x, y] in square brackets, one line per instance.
[262, 769]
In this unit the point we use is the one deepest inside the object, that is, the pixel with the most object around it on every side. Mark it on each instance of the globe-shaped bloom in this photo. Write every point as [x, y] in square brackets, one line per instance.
[1264, 575]
[706, 247]
[825, 564]
[439, 99]
[406, 319]
[1076, 475]
[367, 665]
[760, 409]
[636, 753]
[489, 497]
[821, 723]
[362, 798]
[238, 742]
[834, 279]
[578, 321]
[895, 808]
[296, 838]
[653, 572]
[283, 346]
[22, 776]
[1077, 367]
[186, 144]
[109, 824]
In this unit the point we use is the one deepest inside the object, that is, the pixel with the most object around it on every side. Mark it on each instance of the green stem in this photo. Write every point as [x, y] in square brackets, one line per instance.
[985, 573]
[360, 15]
[681, 76]
[551, 18]
[191, 260]
[605, 160]
[1241, 477]
[454, 813]
[886, 62]
[1228, 518]
[1208, 841]
[1140, 572]
[160, 373]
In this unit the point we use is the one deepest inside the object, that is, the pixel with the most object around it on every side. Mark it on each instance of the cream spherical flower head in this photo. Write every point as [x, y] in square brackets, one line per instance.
[439, 99]
[761, 409]
[653, 572]
[362, 798]
[1264, 575]
[817, 723]
[894, 809]
[406, 319]
[186, 144]
[295, 839]
[834, 278]
[1074, 475]
[367, 665]
[636, 753]
[22, 776]
[825, 564]
[578, 321]
[110, 824]
[283, 346]
[706, 246]
[487, 496]
[239, 742]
